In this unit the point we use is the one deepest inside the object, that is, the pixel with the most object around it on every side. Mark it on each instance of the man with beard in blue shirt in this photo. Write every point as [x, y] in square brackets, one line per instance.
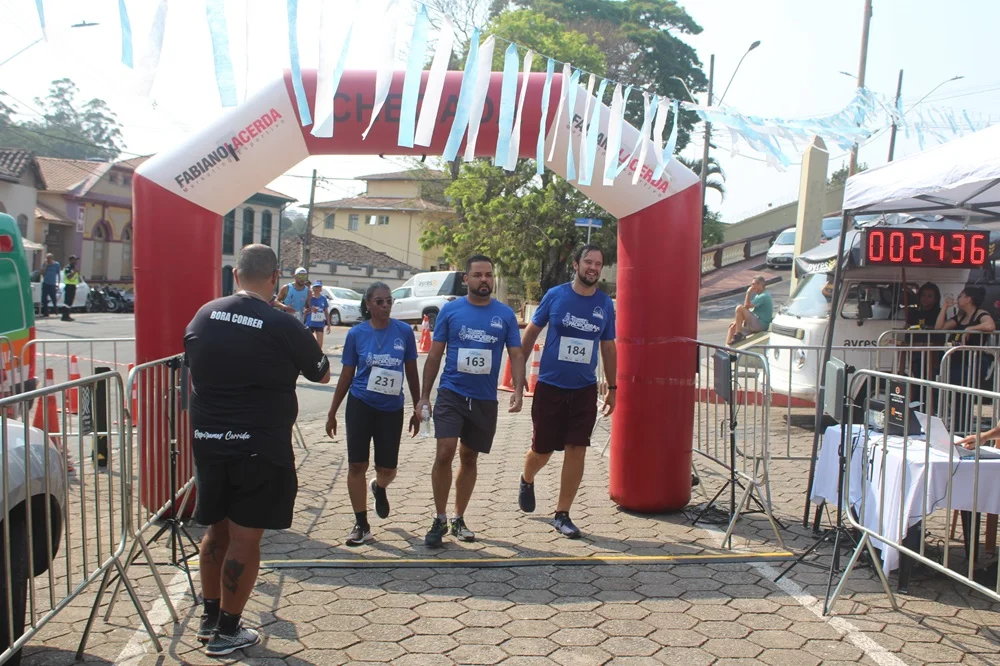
[564, 409]
[474, 330]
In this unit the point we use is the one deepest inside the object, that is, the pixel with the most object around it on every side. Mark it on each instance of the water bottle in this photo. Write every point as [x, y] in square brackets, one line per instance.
[425, 421]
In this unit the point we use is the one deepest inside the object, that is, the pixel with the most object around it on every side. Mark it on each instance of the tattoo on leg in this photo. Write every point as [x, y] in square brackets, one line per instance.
[231, 571]
[212, 550]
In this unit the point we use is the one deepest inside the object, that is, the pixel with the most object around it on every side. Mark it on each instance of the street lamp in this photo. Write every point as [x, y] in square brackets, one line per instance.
[752, 47]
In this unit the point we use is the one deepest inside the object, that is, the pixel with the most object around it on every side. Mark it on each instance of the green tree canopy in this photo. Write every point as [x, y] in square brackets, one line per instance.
[66, 128]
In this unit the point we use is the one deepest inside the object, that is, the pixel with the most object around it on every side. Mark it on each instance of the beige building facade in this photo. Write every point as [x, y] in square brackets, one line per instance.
[389, 217]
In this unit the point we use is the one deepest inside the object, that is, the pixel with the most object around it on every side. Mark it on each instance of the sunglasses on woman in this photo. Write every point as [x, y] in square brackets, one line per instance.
[383, 301]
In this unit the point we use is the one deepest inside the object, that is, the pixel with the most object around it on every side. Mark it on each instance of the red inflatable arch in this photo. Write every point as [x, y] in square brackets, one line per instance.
[181, 194]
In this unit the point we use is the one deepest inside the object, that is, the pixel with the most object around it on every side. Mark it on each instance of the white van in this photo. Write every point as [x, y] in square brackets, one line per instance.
[425, 294]
[873, 300]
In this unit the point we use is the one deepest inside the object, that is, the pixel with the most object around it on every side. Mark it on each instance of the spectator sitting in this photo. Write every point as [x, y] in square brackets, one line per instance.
[754, 315]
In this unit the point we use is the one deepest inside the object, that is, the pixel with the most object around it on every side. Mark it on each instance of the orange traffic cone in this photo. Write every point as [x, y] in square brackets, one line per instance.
[507, 383]
[536, 364]
[48, 421]
[425, 337]
[72, 397]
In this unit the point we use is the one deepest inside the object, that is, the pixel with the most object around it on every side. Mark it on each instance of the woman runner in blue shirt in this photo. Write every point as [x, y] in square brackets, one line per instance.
[317, 316]
[376, 354]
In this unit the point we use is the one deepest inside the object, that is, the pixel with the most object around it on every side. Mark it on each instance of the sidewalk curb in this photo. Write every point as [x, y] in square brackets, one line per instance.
[734, 292]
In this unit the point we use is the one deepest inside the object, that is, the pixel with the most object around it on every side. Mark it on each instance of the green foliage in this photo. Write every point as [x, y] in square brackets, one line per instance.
[839, 177]
[713, 230]
[641, 44]
[65, 129]
[525, 223]
[715, 178]
[533, 292]
[546, 36]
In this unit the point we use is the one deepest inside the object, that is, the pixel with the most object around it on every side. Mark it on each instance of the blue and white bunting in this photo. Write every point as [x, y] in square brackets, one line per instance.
[668, 152]
[643, 144]
[515, 136]
[435, 85]
[550, 68]
[383, 77]
[293, 53]
[414, 72]
[563, 96]
[461, 120]
[583, 126]
[592, 132]
[150, 62]
[660, 123]
[41, 17]
[126, 27]
[615, 164]
[225, 80]
[485, 68]
[508, 97]
[331, 64]
[571, 90]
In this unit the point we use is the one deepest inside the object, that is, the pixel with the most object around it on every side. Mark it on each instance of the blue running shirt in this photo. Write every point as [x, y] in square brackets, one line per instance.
[476, 336]
[317, 318]
[577, 325]
[378, 356]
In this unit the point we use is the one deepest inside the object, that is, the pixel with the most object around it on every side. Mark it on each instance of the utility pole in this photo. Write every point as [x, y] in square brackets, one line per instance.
[892, 132]
[307, 236]
[708, 137]
[853, 167]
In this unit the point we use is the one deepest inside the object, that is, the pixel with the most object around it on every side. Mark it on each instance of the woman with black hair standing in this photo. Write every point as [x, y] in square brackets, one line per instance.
[967, 368]
[377, 353]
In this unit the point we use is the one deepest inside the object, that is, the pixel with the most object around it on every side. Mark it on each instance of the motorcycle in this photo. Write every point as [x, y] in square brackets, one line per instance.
[98, 300]
[118, 301]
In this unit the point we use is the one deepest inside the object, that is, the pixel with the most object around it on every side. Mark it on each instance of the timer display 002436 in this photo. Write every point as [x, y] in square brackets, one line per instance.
[925, 247]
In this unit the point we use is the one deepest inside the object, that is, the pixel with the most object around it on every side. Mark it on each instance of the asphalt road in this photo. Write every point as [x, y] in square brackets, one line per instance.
[314, 399]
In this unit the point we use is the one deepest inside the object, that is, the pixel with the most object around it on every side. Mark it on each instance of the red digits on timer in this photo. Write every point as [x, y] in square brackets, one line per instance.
[916, 254]
[977, 253]
[928, 248]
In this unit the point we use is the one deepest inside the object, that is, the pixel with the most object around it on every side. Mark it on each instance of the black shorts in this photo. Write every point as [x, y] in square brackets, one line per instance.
[473, 421]
[365, 424]
[562, 417]
[251, 491]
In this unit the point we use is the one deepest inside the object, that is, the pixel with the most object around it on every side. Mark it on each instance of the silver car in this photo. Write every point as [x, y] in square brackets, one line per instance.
[345, 305]
[782, 251]
[19, 490]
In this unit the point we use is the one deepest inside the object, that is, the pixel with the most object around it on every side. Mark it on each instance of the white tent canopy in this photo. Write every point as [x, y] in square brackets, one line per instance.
[959, 178]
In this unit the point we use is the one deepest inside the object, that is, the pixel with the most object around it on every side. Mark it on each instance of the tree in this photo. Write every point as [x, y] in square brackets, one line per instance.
[715, 177]
[839, 177]
[641, 43]
[65, 128]
[546, 36]
[713, 230]
[523, 221]
[293, 224]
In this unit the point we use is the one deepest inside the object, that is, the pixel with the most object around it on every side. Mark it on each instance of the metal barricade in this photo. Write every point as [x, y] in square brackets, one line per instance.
[68, 524]
[160, 469]
[56, 354]
[9, 374]
[734, 433]
[895, 484]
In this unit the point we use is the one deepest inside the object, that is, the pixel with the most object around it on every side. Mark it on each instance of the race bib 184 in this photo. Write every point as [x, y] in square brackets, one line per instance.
[575, 350]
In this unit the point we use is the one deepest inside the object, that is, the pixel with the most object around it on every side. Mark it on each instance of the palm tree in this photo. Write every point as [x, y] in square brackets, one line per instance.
[715, 178]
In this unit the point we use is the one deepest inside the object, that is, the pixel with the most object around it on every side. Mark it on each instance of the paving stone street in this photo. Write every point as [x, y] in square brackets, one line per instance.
[522, 594]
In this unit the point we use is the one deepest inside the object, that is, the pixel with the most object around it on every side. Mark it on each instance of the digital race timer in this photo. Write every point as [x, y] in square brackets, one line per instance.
[894, 246]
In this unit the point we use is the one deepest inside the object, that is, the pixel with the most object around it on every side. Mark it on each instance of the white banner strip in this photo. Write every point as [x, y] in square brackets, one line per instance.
[479, 96]
[383, 78]
[515, 139]
[564, 93]
[615, 119]
[435, 85]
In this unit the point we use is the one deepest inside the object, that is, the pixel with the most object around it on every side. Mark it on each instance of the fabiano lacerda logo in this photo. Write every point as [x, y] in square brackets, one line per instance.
[231, 149]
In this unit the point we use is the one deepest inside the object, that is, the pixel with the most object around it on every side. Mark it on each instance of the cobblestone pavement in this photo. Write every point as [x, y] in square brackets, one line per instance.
[458, 605]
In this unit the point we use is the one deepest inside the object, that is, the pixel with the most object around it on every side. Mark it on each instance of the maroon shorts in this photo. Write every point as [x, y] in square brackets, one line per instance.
[562, 417]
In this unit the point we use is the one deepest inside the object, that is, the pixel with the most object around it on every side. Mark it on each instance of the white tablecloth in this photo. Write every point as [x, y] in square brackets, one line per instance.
[935, 470]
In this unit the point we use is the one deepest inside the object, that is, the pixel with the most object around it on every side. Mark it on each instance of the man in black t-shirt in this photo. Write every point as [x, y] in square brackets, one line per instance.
[245, 358]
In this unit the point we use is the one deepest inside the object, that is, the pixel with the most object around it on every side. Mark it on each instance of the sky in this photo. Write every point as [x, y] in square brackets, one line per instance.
[795, 72]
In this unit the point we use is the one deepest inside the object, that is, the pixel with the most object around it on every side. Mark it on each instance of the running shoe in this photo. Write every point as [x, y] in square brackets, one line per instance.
[460, 531]
[207, 628]
[565, 526]
[359, 535]
[438, 529]
[381, 500]
[223, 644]
[526, 496]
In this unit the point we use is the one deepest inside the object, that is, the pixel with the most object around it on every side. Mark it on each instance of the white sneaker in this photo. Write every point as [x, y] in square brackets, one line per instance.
[223, 644]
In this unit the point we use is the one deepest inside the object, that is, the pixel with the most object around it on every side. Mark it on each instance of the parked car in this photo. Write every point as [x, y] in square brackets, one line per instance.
[79, 301]
[19, 493]
[425, 294]
[782, 250]
[345, 305]
[830, 226]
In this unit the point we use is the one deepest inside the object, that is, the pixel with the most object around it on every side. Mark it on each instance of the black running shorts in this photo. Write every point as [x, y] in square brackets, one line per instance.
[250, 491]
[366, 424]
[562, 417]
[473, 421]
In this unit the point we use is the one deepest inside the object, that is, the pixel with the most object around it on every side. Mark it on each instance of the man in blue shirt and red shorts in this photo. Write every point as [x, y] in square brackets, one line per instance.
[581, 319]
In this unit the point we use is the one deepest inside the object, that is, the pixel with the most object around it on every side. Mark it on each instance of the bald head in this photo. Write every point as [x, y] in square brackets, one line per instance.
[257, 269]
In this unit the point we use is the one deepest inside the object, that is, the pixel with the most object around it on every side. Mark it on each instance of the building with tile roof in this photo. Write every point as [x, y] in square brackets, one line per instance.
[20, 181]
[389, 217]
